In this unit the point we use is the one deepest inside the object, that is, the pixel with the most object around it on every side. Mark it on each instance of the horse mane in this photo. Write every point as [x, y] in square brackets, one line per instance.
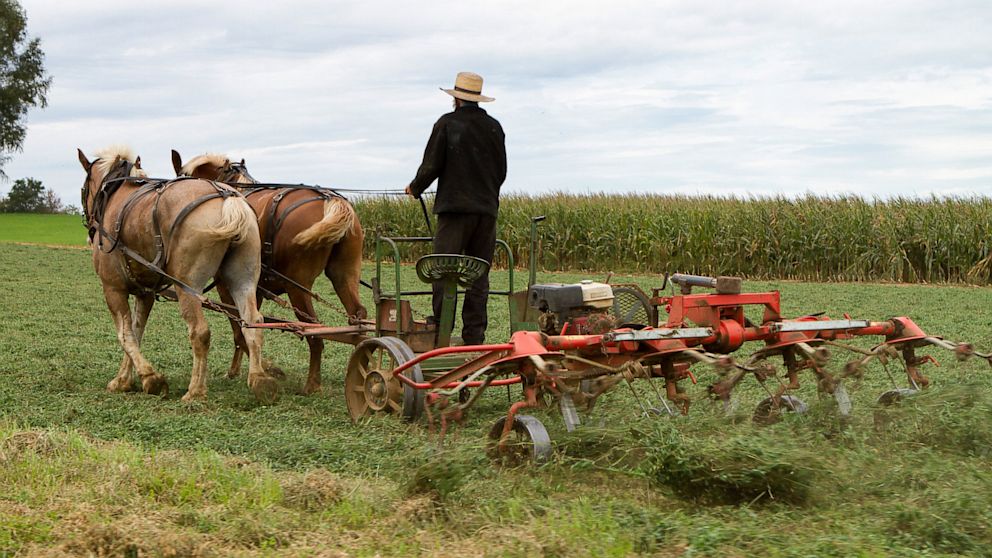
[216, 159]
[109, 155]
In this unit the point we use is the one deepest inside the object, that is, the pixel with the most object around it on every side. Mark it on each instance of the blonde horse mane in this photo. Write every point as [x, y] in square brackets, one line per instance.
[216, 159]
[110, 155]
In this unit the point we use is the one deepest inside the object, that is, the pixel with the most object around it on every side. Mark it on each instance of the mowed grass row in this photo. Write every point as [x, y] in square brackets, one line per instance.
[808, 238]
[86, 472]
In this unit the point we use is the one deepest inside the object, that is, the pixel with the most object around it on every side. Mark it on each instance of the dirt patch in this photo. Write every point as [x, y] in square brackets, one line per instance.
[59, 246]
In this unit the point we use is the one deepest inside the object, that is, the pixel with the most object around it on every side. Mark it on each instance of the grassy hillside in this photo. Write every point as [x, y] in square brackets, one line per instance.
[85, 472]
[62, 230]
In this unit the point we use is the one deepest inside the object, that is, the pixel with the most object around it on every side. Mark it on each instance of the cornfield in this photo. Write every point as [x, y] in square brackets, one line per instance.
[807, 238]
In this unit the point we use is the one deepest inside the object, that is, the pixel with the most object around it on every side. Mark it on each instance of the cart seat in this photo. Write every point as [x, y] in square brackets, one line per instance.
[464, 270]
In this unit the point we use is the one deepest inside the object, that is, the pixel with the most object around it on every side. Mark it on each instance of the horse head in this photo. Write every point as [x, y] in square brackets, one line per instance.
[104, 175]
[213, 166]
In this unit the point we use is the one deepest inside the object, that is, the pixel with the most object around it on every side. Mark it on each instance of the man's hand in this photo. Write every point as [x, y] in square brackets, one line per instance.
[409, 192]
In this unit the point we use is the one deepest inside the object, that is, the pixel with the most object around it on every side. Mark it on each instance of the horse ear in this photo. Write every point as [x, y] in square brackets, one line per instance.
[83, 161]
[137, 162]
[242, 161]
[177, 162]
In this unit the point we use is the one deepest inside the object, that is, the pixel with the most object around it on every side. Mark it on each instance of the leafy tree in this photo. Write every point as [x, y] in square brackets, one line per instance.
[29, 196]
[23, 83]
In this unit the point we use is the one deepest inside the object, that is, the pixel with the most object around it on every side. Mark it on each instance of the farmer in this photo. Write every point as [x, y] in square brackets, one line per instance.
[467, 156]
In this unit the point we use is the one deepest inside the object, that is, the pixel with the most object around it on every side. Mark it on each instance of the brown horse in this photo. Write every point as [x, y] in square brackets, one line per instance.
[148, 235]
[300, 239]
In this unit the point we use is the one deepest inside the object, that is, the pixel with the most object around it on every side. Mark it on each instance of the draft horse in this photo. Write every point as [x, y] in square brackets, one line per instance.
[149, 235]
[305, 231]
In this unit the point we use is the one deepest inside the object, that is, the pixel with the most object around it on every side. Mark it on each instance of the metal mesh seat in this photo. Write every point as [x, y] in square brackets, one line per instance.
[463, 269]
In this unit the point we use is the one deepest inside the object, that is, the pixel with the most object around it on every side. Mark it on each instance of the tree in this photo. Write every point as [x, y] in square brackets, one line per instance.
[27, 196]
[23, 83]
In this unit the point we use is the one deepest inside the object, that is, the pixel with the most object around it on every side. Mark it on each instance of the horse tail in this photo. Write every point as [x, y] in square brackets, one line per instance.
[236, 220]
[339, 216]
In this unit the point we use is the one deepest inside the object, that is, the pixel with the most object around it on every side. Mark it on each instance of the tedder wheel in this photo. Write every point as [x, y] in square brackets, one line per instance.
[843, 400]
[369, 385]
[769, 411]
[632, 307]
[528, 441]
[893, 396]
[889, 398]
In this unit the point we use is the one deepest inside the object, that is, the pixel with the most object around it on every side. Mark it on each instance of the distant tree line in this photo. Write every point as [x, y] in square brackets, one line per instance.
[28, 195]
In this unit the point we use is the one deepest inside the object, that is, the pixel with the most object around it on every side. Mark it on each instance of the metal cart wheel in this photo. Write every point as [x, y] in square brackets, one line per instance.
[528, 441]
[770, 411]
[631, 306]
[369, 385]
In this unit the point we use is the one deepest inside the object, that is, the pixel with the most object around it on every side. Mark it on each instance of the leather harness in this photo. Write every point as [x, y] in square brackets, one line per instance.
[275, 218]
[94, 222]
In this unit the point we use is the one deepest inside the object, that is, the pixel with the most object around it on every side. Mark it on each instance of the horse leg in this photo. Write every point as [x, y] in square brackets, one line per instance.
[152, 382]
[303, 304]
[240, 345]
[199, 340]
[344, 269]
[239, 273]
[124, 381]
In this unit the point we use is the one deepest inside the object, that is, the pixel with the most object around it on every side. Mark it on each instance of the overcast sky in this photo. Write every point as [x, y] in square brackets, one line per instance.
[744, 98]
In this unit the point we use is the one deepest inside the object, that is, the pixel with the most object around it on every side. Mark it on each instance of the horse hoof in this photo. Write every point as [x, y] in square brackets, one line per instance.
[233, 373]
[155, 385]
[266, 389]
[191, 397]
[119, 386]
[310, 389]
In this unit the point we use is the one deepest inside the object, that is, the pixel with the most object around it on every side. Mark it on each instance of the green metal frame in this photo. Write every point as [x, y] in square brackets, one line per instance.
[517, 302]
[384, 244]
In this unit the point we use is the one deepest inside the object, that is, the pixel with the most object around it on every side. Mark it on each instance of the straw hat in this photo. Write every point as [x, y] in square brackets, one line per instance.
[468, 87]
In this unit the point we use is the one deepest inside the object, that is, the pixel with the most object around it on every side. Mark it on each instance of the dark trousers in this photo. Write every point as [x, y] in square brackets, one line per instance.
[471, 234]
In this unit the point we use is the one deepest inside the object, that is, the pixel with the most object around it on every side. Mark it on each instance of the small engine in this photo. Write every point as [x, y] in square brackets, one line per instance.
[584, 307]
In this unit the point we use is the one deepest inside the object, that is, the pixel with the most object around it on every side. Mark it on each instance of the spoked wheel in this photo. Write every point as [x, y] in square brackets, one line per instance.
[370, 387]
[889, 398]
[770, 410]
[632, 307]
[528, 441]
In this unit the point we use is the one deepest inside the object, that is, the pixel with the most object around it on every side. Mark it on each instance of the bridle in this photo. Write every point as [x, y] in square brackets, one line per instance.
[115, 177]
[233, 171]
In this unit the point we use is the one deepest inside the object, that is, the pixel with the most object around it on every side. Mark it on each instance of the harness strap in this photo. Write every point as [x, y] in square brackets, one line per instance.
[161, 250]
[276, 219]
[204, 301]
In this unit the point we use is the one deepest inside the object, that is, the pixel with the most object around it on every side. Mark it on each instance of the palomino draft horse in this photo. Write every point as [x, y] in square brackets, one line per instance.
[148, 235]
[300, 239]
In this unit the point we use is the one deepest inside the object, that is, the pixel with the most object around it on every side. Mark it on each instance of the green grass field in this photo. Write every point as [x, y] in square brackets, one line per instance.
[61, 230]
[86, 472]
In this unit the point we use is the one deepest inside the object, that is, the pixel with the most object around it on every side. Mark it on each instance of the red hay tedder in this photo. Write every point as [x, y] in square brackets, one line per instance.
[572, 343]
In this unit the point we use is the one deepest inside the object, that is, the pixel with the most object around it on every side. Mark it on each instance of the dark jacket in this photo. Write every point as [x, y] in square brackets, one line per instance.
[466, 153]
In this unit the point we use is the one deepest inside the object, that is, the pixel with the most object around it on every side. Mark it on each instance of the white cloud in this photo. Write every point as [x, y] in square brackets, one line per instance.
[769, 97]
